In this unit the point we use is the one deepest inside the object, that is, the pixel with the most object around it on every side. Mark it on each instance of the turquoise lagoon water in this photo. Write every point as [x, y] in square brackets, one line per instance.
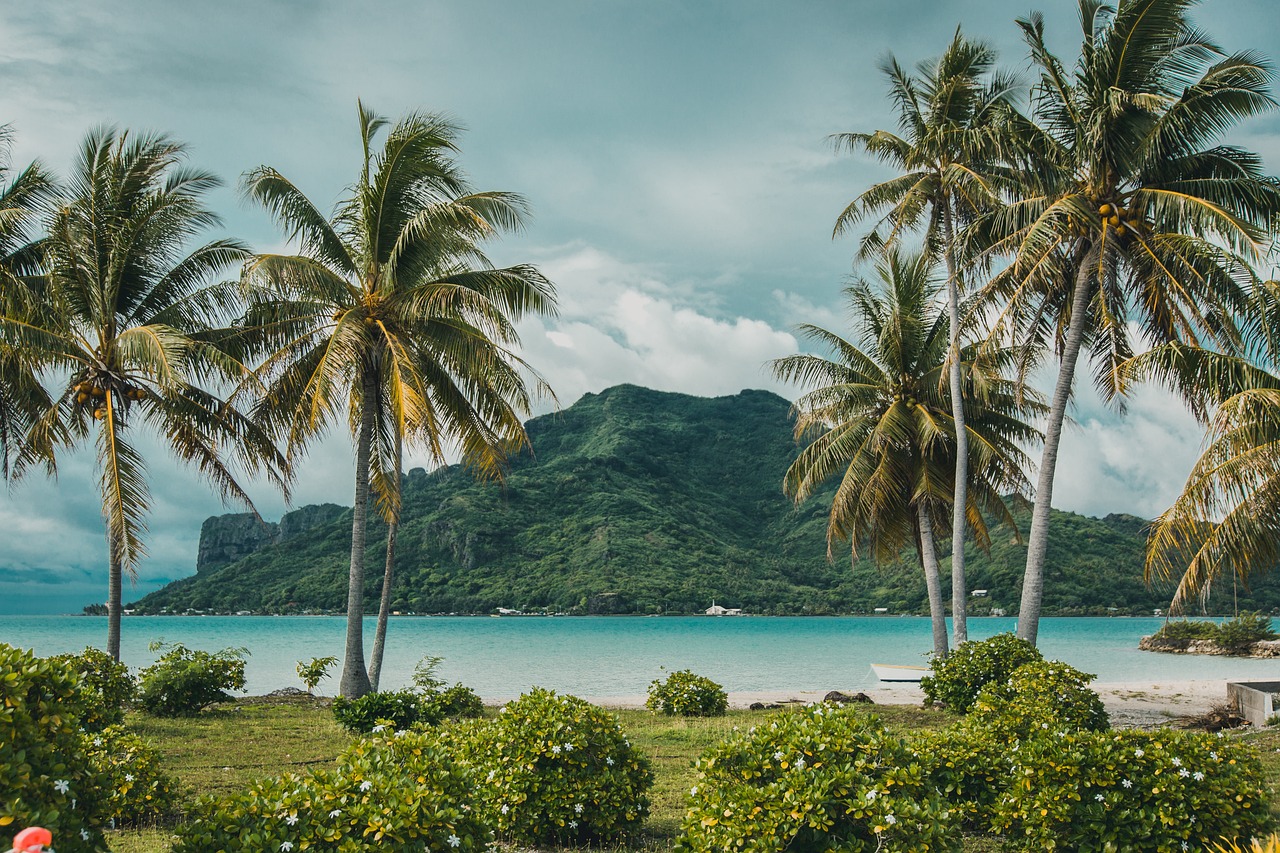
[618, 656]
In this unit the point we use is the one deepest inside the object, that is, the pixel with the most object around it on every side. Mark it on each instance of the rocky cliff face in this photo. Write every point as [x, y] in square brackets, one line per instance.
[227, 538]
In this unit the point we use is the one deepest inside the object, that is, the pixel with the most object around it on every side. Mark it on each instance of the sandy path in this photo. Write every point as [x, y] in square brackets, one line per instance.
[1135, 703]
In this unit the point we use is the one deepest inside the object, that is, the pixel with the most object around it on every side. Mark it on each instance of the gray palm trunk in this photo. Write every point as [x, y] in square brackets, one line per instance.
[384, 604]
[959, 521]
[355, 678]
[114, 573]
[932, 579]
[1038, 539]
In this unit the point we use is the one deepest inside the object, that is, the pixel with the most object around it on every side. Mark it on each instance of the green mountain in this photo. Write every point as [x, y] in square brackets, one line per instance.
[639, 501]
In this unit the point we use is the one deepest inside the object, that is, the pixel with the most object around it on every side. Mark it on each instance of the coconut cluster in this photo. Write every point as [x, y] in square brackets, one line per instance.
[93, 391]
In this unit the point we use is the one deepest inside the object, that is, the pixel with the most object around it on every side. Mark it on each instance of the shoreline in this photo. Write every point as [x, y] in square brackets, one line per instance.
[1128, 703]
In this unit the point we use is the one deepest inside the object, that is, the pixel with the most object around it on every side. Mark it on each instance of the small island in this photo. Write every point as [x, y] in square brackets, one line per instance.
[1247, 635]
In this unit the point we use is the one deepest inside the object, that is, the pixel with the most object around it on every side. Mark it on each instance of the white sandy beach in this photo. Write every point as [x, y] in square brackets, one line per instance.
[1133, 703]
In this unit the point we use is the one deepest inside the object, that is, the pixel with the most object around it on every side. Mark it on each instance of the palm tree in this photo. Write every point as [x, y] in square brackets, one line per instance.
[950, 120]
[123, 330]
[1131, 213]
[391, 312]
[23, 206]
[880, 417]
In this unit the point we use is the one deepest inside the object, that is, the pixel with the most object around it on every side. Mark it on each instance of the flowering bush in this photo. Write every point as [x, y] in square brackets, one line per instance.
[137, 790]
[46, 778]
[109, 685]
[183, 682]
[458, 702]
[687, 695]
[1037, 697]
[1131, 790]
[399, 710]
[397, 794]
[957, 679]
[555, 770]
[969, 766]
[818, 779]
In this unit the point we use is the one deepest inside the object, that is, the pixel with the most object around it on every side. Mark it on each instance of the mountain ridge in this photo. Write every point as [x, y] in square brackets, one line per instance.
[643, 501]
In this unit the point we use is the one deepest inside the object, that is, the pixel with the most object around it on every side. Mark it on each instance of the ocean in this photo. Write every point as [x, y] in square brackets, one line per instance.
[614, 656]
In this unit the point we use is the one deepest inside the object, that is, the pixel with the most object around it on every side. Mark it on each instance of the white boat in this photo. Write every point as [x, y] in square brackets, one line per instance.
[899, 672]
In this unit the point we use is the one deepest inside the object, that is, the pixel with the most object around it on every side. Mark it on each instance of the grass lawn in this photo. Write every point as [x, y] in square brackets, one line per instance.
[224, 749]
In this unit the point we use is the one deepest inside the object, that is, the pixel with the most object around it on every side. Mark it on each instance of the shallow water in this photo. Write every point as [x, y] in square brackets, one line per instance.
[617, 655]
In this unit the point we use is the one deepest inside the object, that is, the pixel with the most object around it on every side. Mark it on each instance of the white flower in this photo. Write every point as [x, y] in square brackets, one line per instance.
[1198, 776]
[1186, 845]
[890, 819]
[777, 756]
[505, 808]
[1127, 783]
[1214, 756]
[555, 750]
[97, 741]
[84, 834]
[693, 790]
[491, 772]
[1099, 797]
[286, 846]
[292, 820]
[577, 808]
[573, 824]
[62, 786]
[1177, 762]
[378, 728]
[1139, 752]
[568, 747]
[454, 840]
[335, 813]
[871, 796]
[366, 785]
[799, 765]
[1044, 725]
[128, 777]
[1184, 773]
[609, 761]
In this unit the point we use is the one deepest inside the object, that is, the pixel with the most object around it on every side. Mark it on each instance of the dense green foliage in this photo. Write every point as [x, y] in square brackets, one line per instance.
[819, 779]
[398, 794]
[956, 681]
[398, 709]
[1235, 635]
[314, 671]
[1132, 790]
[137, 790]
[556, 770]
[48, 777]
[639, 501]
[1039, 696]
[687, 694]
[183, 682]
[108, 683]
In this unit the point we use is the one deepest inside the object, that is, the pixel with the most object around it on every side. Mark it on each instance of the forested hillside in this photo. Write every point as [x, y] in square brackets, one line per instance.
[639, 501]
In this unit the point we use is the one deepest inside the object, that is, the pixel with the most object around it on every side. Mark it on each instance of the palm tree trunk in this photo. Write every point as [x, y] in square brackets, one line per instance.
[355, 679]
[114, 572]
[1038, 539]
[384, 605]
[960, 504]
[932, 579]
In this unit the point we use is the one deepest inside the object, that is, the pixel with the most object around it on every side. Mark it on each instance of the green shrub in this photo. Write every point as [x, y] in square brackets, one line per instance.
[1039, 696]
[400, 710]
[1179, 633]
[1239, 634]
[314, 671]
[957, 679]
[458, 702]
[969, 766]
[818, 779]
[396, 794]
[46, 777]
[687, 695]
[556, 770]
[183, 682]
[137, 790]
[109, 685]
[1132, 790]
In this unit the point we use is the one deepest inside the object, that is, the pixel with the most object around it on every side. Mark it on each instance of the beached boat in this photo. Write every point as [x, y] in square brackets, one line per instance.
[899, 672]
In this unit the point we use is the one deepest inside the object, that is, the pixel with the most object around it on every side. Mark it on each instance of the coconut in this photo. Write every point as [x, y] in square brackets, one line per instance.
[1106, 210]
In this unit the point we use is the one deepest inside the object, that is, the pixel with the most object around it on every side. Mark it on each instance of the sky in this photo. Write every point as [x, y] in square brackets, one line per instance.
[675, 154]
